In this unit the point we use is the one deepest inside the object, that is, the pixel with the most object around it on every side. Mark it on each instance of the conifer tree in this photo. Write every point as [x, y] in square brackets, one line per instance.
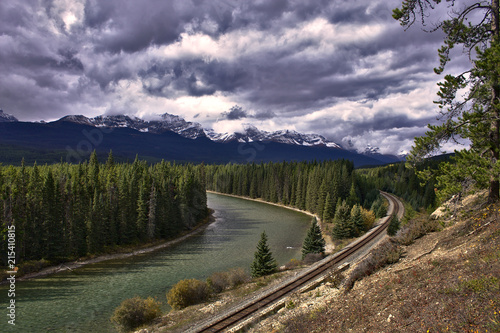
[356, 221]
[52, 218]
[381, 211]
[314, 242]
[95, 237]
[341, 228]
[152, 213]
[329, 210]
[393, 227]
[469, 102]
[321, 200]
[263, 263]
[142, 212]
[353, 197]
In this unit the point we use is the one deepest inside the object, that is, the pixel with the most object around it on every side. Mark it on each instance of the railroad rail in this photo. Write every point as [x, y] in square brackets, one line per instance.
[249, 308]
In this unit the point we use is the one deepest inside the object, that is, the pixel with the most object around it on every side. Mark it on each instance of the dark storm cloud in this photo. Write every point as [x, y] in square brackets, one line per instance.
[235, 112]
[264, 115]
[192, 77]
[293, 57]
[133, 25]
[293, 83]
[380, 121]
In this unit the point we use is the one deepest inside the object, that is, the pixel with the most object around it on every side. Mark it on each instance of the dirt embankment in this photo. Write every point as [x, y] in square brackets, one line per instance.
[445, 281]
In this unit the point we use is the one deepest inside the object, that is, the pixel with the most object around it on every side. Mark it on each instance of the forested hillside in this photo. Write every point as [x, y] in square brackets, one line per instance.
[323, 188]
[405, 182]
[65, 211]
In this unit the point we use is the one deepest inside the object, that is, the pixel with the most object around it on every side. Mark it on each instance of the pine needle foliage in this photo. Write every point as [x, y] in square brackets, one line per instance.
[394, 225]
[469, 102]
[264, 262]
[314, 242]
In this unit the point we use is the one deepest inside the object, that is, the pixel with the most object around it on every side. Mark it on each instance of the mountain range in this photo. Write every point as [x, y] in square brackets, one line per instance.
[171, 137]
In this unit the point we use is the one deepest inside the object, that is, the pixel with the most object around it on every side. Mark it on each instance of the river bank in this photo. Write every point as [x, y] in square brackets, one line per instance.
[329, 247]
[140, 249]
[83, 300]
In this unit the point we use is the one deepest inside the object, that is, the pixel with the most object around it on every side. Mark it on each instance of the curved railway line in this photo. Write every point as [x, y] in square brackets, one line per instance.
[250, 307]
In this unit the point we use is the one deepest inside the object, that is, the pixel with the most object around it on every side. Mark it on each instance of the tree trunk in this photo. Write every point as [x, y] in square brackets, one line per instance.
[495, 105]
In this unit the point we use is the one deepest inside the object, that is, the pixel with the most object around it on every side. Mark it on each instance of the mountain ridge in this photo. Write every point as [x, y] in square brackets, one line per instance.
[193, 130]
[171, 137]
[74, 141]
[7, 118]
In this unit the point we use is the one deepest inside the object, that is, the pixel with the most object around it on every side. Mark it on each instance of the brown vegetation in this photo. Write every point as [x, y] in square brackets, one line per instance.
[445, 281]
[188, 292]
[135, 312]
[221, 281]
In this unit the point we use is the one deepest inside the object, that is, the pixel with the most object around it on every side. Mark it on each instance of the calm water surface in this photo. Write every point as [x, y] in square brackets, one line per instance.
[83, 300]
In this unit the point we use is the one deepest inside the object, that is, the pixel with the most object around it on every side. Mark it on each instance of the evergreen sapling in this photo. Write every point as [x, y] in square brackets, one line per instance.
[314, 242]
[263, 263]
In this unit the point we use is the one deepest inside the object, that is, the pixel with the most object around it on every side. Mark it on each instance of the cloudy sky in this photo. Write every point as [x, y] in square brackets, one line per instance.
[340, 68]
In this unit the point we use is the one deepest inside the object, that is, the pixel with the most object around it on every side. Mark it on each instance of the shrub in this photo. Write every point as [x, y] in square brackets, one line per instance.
[220, 281]
[415, 229]
[386, 253]
[187, 292]
[32, 266]
[393, 226]
[311, 258]
[292, 264]
[368, 218]
[335, 278]
[238, 276]
[135, 312]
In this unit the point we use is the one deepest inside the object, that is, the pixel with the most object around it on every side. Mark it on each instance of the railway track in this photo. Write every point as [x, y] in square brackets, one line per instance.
[249, 308]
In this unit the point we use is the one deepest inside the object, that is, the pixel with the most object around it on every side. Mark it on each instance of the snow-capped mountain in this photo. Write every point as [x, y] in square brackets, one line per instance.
[6, 118]
[167, 122]
[191, 130]
[252, 134]
[370, 150]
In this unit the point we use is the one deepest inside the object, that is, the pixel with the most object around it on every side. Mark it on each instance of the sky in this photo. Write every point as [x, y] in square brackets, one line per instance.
[344, 69]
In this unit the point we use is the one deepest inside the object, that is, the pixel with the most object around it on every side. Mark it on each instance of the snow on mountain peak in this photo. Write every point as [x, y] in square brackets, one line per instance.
[7, 118]
[192, 130]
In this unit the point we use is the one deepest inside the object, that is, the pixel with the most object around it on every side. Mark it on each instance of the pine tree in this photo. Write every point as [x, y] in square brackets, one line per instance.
[353, 197]
[110, 163]
[329, 210]
[95, 236]
[263, 263]
[142, 212]
[52, 218]
[79, 209]
[381, 211]
[152, 213]
[321, 200]
[340, 222]
[314, 242]
[393, 227]
[356, 222]
[469, 102]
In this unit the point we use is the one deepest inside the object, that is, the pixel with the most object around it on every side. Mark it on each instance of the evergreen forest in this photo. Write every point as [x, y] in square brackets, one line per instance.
[65, 211]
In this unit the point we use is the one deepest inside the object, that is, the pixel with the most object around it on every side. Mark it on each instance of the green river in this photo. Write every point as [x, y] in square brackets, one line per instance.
[83, 300]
